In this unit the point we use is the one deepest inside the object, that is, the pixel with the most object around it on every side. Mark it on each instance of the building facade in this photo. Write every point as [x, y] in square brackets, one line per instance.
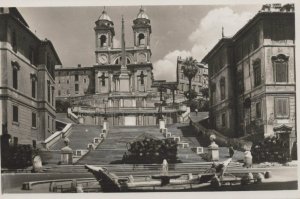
[199, 82]
[119, 85]
[27, 81]
[252, 76]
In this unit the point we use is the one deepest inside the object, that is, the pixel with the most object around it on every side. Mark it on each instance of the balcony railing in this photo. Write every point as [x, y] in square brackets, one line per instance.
[98, 110]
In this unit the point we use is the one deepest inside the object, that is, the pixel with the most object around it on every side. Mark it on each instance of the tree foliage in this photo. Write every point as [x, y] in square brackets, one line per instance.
[17, 156]
[271, 149]
[205, 92]
[150, 150]
[62, 106]
[190, 69]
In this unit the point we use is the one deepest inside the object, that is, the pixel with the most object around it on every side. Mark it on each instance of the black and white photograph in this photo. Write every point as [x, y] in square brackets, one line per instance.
[141, 97]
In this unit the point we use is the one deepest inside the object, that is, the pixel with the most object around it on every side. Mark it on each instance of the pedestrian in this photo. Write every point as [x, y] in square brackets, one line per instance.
[196, 111]
[231, 151]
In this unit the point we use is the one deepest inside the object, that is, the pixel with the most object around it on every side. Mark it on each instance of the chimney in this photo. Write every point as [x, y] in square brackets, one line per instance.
[79, 65]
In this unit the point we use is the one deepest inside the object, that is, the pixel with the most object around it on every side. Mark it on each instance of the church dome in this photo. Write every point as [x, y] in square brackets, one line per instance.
[142, 14]
[104, 16]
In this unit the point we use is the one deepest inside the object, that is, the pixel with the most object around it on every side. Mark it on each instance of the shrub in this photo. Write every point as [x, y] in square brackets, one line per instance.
[270, 150]
[17, 156]
[151, 151]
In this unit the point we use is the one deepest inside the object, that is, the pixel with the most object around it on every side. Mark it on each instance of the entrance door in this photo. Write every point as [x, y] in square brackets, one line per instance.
[130, 120]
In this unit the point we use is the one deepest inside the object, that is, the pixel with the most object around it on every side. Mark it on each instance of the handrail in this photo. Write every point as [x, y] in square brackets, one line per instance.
[72, 116]
[52, 139]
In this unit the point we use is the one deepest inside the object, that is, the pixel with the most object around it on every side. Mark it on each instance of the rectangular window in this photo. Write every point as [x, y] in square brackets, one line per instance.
[14, 41]
[33, 120]
[34, 144]
[53, 124]
[282, 107]
[223, 119]
[76, 77]
[33, 88]
[258, 110]
[15, 78]
[257, 75]
[281, 71]
[15, 113]
[48, 122]
[52, 95]
[76, 88]
[48, 90]
[84, 80]
[31, 55]
[58, 92]
[222, 88]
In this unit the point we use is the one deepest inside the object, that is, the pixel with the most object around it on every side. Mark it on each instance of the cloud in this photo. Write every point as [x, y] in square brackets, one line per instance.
[165, 69]
[203, 38]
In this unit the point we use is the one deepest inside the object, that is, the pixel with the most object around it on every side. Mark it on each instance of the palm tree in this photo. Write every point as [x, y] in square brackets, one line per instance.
[190, 69]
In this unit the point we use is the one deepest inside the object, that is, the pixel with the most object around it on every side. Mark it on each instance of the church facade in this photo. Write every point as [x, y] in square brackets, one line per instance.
[119, 85]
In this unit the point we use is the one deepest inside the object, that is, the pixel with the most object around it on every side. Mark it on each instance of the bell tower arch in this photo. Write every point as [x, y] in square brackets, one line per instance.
[141, 30]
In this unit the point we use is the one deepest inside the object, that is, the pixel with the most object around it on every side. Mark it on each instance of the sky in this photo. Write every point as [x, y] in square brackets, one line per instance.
[176, 30]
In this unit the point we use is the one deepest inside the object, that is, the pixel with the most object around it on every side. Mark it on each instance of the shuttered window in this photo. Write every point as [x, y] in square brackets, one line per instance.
[282, 107]
[281, 72]
[257, 73]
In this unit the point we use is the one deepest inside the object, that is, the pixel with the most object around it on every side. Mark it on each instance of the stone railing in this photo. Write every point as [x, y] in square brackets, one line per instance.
[52, 139]
[72, 116]
[237, 143]
[186, 114]
[97, 110]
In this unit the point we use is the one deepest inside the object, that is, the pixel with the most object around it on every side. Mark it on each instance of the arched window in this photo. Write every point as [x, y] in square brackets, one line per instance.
[280, 68]
[119, 60]
[103, 41]
[141, 38]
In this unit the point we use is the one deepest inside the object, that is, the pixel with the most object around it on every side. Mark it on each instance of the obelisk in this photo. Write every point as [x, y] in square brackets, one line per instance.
[124, 75]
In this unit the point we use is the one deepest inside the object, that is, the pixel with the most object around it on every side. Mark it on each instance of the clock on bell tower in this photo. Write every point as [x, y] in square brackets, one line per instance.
[102, 59]
[104, 34]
